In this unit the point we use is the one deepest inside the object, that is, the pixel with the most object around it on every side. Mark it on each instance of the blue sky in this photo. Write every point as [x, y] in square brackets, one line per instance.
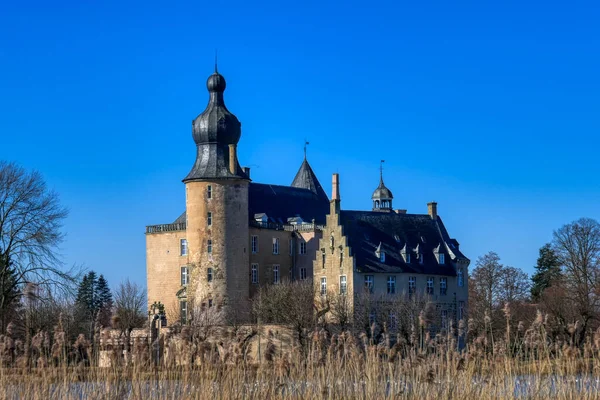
[489, 108]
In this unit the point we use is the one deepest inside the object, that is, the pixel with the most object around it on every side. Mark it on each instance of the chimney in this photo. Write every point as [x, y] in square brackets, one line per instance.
[232, 159]
[335, 194]
[432, 209]
[246, 171]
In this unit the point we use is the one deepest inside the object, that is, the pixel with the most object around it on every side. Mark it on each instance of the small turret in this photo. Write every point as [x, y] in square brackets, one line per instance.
[382, 196]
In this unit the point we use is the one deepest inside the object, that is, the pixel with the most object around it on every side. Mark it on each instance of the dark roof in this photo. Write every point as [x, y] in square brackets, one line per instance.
[213, 131]
[367, 230]
[382, 192]
[306, 179]
[283, 202]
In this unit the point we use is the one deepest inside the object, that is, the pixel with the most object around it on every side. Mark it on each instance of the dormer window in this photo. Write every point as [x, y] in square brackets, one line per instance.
[408, 258]
[420, 258]
[382, 256]
[442, 258]
[397, 238]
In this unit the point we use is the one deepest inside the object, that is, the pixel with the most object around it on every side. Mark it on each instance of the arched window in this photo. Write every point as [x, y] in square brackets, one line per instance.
[376, 203]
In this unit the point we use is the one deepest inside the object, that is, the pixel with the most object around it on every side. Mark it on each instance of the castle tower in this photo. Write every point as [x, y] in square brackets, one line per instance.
[382, 196]
[217, 211]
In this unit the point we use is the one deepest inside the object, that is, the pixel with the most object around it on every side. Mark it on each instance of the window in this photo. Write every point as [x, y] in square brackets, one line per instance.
[302, 247]
[412, 284]
[209, 274]
[393, 321]
[183, 247]
[369, 283]
[391, 284]
[183, 311]
[443, 286]
[210, 303]
[461, 310]
[254, 273]
[382, 256]
[442, 258]
[343, 285]
[323, 258]
[185, 278]
[302, 273]
[408, 258]
[209, 192]
[460, 278]
[209, 246]
[275, 246]
[444, 319]
[254, 244]
[430, 285]
[275, 274]
[209, 219]
[420, 258]
[323, 286]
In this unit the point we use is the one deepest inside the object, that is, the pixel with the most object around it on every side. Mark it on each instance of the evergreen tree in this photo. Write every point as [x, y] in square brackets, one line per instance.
[548, 270]
[9, 292]
[104, 302]
[86, 303]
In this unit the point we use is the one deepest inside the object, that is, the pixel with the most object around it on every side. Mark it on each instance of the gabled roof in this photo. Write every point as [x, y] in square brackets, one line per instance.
[306, 179]
[283, 202]
[391, 232]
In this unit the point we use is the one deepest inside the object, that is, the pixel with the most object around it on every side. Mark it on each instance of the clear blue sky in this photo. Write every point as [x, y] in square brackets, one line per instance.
[490, 109]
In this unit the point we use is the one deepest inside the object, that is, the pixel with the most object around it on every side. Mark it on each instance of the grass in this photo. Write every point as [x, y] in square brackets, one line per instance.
[532, 364]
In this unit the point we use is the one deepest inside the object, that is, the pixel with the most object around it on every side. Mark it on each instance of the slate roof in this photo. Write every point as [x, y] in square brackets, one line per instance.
[367, 230]
[306, 179]
[283, 202]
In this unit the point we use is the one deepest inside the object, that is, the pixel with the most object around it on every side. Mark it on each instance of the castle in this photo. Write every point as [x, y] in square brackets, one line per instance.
[236, 235]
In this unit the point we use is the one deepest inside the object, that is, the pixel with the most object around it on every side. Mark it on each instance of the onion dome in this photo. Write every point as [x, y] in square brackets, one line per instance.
[216, 124]
[216, 132]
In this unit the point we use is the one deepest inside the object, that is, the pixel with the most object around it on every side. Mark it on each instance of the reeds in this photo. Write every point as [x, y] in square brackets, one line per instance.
[536, 362]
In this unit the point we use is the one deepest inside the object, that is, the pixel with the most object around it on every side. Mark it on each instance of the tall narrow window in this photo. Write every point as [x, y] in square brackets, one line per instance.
[275, 245]
[430, 285]
[209, 218]
[444, 319]
[275, 274]
[412, 284]
[209, 192]
[254, 273]
[391, 284]
[302, 273]
[254, 244]
[323, 258]
[323, 286]
[442, 259]
[443, 286]
[382, 256]
[183, 311]
[460, 278]
[210, 302]
[209, 274]
[184, 276]
[369, 283]
[302, 247]
[183, 247]
[408, 258]
[420, 258]
[343, 284]
[209, 246]
[291, 247]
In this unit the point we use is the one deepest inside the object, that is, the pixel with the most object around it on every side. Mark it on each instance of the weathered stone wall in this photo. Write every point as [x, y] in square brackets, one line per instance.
[163, 269]
[228, 232]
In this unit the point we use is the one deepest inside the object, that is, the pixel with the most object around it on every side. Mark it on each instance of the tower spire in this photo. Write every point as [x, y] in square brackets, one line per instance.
[216, 70]
[306, 143]
[381, 171]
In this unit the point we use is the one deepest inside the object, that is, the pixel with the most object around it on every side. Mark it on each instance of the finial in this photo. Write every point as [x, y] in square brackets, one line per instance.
[381, 170]
[306, 143]
[216, 70]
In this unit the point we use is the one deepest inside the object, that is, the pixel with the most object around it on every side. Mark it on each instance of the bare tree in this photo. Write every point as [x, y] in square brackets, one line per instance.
[289, 303]
[577, 246]
[31, 219]
[514, 285]
[130, 300]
